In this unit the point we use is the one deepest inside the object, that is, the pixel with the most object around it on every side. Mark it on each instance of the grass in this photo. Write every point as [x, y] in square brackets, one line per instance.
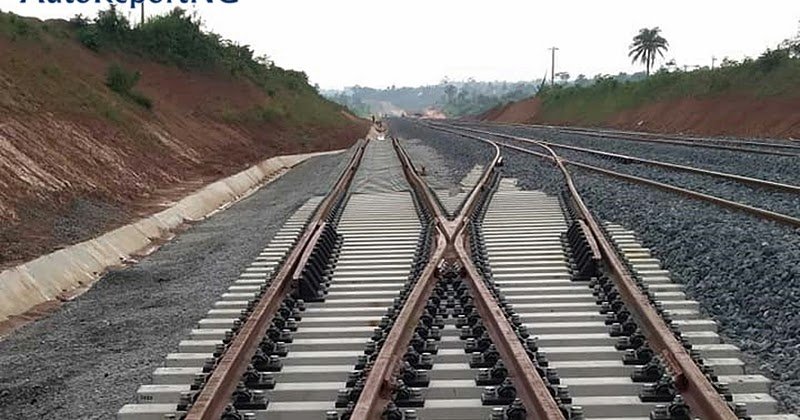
[295, 108]
[122, 81]
[17, 27]
[775, 73]
[174, 39]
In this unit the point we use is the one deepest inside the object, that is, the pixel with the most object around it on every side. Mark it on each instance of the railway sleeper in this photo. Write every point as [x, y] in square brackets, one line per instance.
[600, 382]
[500, 390]
[660, 387]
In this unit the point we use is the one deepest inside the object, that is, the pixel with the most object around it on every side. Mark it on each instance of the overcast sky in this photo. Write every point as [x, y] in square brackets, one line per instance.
[414, 42]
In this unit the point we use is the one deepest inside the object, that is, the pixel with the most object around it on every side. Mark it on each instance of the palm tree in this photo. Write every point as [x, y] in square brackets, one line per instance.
[646, 45]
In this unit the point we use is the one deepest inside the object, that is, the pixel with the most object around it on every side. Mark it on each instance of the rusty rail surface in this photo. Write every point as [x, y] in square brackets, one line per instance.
[451, 239]
[220, 386]
[724, 175]
[733, 205]
[663, 140]
[698, 392]
[712, 140]
[378, 386]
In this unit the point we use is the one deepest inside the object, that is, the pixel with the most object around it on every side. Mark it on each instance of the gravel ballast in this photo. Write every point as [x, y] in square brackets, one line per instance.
[745, 272]
[87, 360]
[431, 149]
[781, 202]
[768, 167]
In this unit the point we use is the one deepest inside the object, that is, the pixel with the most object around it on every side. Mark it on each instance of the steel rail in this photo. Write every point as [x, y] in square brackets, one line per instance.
[689, 143]
[216, 394]
[451, 237]
[379, 382]
[690, 138]
[724, 175]
[530, 387]
[635, 138]
[698, 392]
[786, 144]
[734, 205]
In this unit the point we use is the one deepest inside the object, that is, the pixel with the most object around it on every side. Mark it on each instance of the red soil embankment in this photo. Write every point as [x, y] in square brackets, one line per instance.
[77, 159]
[515, 112]
[730, 115]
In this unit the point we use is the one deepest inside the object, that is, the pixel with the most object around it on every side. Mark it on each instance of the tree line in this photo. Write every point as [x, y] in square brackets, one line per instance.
[177, 38]
[455, 98]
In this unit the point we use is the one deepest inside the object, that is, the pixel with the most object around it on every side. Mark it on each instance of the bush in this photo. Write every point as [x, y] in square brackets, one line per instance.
[775, 72]
[89, 37]
[178, 39]
[141, 100]
[772, 59]
[123, 81]
[111, 24]
[17, 27]
[80, 21]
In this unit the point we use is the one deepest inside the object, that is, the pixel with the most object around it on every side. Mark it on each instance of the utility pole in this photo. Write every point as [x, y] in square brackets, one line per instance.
[713, 61]
[142, 22]
[553, 65]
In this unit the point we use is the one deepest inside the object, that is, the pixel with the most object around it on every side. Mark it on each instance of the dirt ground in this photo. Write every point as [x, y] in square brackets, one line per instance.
[77, 159]
[739, 116]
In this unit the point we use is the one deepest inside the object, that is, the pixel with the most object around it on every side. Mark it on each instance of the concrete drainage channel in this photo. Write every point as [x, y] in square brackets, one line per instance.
[317, 353]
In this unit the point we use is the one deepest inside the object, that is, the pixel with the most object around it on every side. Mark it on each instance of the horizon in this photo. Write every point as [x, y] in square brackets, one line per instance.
[452, 48]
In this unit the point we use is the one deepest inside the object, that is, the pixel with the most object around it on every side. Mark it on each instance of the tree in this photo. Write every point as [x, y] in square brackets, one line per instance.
[450, 91]
[646, 45]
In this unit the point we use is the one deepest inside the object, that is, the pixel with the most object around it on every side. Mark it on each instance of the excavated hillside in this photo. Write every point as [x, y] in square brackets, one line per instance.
[752, 98]
[730, 115]
[77, 158]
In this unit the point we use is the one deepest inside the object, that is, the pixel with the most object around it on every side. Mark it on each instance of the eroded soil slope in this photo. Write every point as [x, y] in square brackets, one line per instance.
[730, 115]
[77, 158]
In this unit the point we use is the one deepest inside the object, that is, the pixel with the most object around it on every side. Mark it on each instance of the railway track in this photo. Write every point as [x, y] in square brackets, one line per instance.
[775, 145]
[787, 219]
[784, 149]
[756, 182]
[376, 301]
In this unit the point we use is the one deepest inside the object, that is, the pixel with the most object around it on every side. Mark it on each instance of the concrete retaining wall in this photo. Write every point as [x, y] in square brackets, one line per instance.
[63, 271]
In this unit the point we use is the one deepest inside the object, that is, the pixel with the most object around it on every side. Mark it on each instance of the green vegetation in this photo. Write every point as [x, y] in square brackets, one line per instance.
[460, 102]
[646, 45]
[293, 109]
[122, 81]
[775, 72]
[17, 27]
[178, 39]
[353, 102]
